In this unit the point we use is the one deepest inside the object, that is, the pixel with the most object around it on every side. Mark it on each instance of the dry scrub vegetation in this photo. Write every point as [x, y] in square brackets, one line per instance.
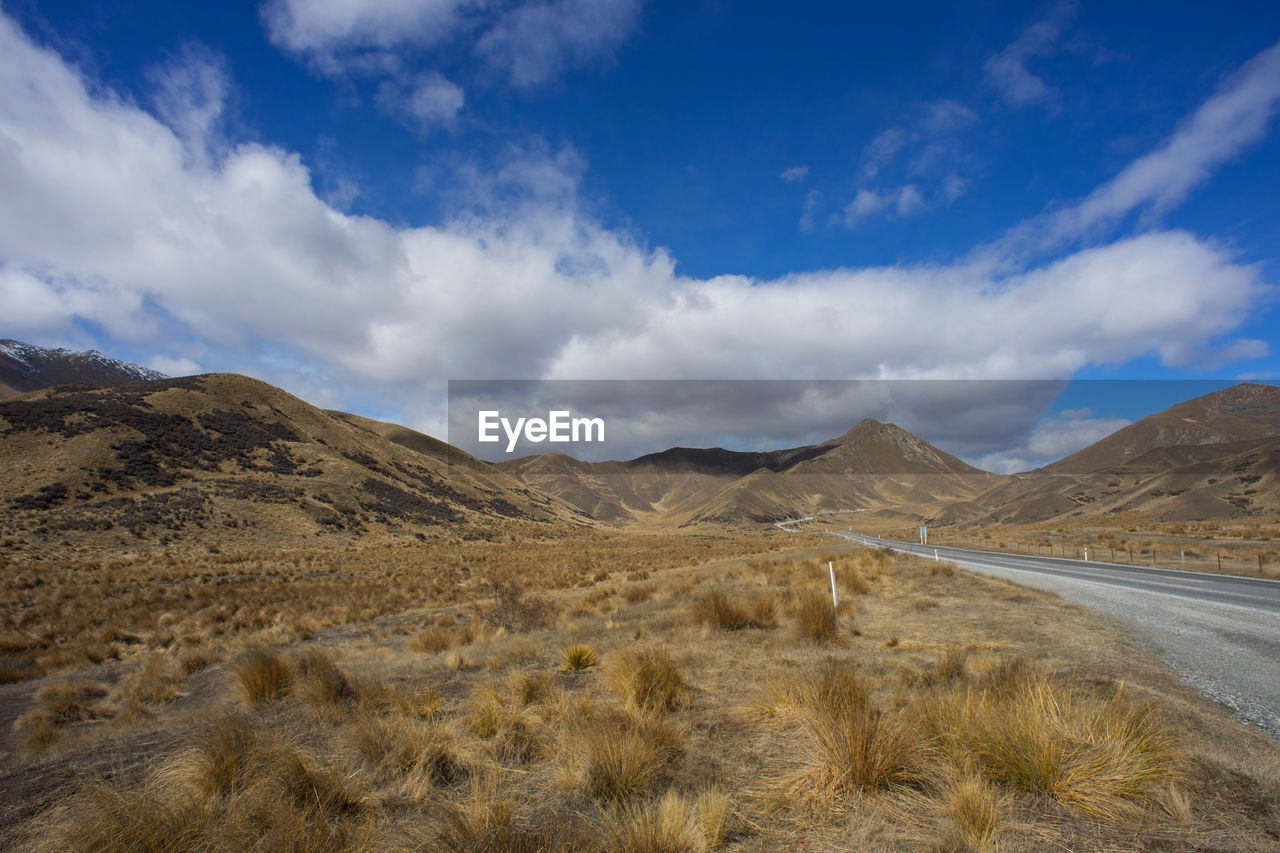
[64, 614]
[672, 704]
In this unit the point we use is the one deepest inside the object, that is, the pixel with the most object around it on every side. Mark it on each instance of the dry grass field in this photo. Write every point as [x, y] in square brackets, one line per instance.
[1245, 546]
[677, 693]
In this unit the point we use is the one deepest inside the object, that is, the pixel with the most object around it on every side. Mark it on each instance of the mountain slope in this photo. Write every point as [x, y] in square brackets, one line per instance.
[873, 463]
[26, 367]
[223, 459]
[1239, 413]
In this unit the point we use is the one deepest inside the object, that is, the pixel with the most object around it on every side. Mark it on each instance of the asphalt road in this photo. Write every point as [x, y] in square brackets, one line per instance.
[1220, 632]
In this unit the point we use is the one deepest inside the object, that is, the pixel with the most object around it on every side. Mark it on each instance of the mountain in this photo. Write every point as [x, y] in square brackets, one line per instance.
[872, 464]
[226, 460]
[1215, 456]
[1239, 413]
[26, 367]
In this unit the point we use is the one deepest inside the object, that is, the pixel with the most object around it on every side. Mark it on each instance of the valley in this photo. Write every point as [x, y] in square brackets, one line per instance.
[233, 620]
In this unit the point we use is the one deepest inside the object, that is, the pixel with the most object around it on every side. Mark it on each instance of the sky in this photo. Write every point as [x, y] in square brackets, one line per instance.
[360, 200]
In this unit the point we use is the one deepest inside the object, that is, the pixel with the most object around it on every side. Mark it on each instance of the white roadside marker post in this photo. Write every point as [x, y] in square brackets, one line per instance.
[935, 555]
[830, 569]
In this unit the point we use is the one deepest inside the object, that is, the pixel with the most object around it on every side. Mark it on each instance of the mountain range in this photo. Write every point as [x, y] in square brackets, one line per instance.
[26, 367]
[124, 458]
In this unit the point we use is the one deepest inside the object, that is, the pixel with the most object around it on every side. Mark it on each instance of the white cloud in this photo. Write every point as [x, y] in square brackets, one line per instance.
[794, 174]
[529, 41]
[539, 38]
[1235, 117]
[882, 149]
[904, 202]
[427, 102]
[946, 116]
[910, 202]
[1049, 440]
[809, 211]
[170, 366]
[1007, 70]
[106, 218]
[328, 28]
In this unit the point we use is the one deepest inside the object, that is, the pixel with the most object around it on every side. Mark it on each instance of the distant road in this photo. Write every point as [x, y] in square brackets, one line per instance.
[1220, 632]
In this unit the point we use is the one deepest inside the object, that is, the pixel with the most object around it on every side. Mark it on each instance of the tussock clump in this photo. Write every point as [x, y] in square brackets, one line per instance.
[509, 727]
[579, 657]
[672, 824]
[262, 675]
[638, 592]
[320, 681]
[486, 823]
[59, 705]
[529, 689]
[815, 617]
[516, 609]
[719, 611]
[406, 748]
[647, 678]
[619, 757]
[432, 640]
[846, 742]
[971, 816]
[233, 791]
[1106, 757]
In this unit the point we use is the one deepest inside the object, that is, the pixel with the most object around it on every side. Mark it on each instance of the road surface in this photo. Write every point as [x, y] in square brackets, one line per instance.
[1220, 632]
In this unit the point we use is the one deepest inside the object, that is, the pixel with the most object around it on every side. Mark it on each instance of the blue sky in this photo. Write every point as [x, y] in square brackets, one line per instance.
[360, 200]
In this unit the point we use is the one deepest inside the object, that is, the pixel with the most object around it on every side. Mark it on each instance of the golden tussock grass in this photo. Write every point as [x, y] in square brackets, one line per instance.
[616, 756]
[1104, 756]
[233, 790]
[936, 743]
[648, 679]
[814, 617]
[718, 610]
[846, 743]
[261, 675]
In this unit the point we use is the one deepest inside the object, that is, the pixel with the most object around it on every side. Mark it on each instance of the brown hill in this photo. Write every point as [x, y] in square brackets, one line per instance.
[873, 464]
[227, 460]
[1239, 413]
[26, 367]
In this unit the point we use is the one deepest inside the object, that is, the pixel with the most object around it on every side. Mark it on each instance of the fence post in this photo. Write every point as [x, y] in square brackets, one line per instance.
[830, 569]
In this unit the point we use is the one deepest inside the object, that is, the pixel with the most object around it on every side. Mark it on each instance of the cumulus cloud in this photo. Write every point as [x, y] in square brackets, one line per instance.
[1007, 70]
[108, 222]
[794, 174]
